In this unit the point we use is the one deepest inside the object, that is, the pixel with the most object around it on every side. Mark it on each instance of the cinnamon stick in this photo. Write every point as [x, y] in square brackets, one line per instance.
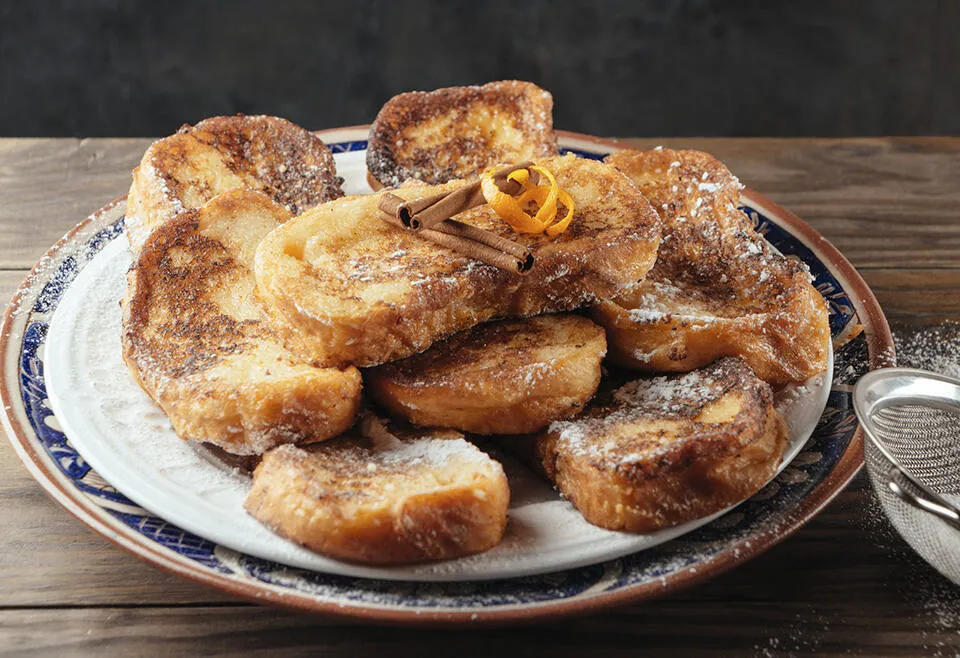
[448, 205]
[430, 218]
[474, 242]
[405, 210]
[391, 219]
[479, 251]
[390, 204]
[508, 186]
[489, 238]
[424, 212]
[443, 207]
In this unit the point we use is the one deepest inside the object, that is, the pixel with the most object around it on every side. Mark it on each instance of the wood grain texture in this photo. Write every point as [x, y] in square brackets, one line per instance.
[846, 584]
[916, 295]
[788, 602]
[49, 185]
[49, 558]
[42, 544]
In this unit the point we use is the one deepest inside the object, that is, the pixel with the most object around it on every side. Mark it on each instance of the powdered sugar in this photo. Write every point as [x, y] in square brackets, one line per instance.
[467, 129]
[391, 449]
[667, 394]
[643, 315]
[536, 372]
[935, 348]
[639, 402]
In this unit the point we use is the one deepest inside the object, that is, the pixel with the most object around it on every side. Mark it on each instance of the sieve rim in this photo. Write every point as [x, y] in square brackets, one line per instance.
[864, 408]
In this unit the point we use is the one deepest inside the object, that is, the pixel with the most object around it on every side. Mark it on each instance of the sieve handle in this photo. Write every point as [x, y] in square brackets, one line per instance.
[909, 493]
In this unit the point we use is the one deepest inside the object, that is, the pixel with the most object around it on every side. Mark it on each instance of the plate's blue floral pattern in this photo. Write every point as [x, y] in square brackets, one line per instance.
[760, 515]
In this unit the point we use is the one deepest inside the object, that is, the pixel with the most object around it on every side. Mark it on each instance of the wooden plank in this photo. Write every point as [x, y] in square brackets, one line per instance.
[732, 626]
[884, 202]
[48, 185]
[916, 296]
[50, 559]
[846, 583]
[47, 557]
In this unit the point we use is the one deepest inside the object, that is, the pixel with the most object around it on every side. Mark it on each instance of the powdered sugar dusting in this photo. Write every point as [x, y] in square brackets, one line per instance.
[638, 402]
[935, 348]
[669, 395]
[391, 449]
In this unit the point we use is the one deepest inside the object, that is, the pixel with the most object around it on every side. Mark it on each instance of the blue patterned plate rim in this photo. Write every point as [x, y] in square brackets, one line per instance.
[829, 461]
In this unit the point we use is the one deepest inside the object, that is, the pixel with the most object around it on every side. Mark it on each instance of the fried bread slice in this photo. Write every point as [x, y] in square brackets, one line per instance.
[195, 339]
[457, 132]
[263, 153]
[380, 495]
[508, 377]
[343, 286]
[667, 450]
[718, 288]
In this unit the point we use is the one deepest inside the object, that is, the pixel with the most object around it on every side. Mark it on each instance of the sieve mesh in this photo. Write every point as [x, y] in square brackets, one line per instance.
[912, 423]
[925, 442]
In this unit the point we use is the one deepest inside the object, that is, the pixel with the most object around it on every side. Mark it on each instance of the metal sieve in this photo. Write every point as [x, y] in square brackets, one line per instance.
[912, 422]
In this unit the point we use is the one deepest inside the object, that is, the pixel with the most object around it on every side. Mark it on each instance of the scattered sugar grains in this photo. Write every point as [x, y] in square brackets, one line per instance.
[935, 348]
[913, 587]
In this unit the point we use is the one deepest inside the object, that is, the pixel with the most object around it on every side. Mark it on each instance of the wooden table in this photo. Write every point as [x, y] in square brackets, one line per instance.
[845, 584]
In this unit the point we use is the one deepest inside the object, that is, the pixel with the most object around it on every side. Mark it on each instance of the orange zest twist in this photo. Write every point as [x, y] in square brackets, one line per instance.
[512, 209]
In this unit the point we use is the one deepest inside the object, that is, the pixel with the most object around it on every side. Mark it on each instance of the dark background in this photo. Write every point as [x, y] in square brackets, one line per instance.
[657, 68]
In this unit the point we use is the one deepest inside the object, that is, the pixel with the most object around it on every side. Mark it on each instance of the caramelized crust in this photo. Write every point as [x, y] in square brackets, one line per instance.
[458, 132]
[717, 288]
[668, 450]
[509, 377]
[697, 198]
[380, 496]
[194, 336]
[669, 326]
[267, 154]
[343, 286]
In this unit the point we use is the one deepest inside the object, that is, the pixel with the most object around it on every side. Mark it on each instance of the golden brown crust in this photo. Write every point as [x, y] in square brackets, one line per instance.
[384, 497]
[267, 154]
[663, 326]
[457, 132]
[343, 286]
[697, 199]
[717, 288]
[194, 336]
[509, 377]
[665, 451]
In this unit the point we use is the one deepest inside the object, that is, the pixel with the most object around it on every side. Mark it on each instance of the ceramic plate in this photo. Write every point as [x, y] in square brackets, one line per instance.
[205, 538]
[122, 434]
